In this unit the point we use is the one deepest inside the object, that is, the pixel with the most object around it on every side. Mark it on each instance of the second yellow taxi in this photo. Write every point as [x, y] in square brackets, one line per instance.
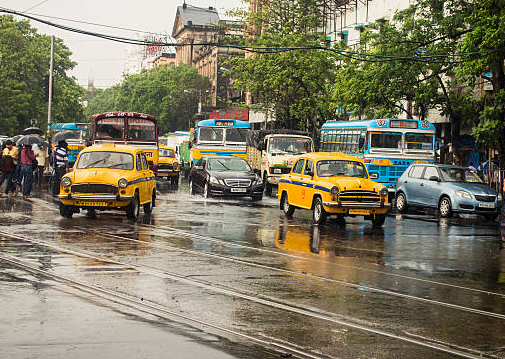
[108, 176]
[168, 165]
[332, 184]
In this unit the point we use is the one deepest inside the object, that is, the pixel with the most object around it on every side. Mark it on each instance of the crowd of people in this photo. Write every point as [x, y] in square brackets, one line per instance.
[23, 167]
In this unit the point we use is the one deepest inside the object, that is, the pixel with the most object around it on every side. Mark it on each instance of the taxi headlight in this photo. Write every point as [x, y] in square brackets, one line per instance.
[334, 190]
[66, 181]
[175, 164]
[463, 194]
[122, 183]
[384, 192]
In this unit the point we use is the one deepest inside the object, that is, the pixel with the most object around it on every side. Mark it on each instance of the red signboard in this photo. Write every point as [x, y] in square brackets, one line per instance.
[240, 114]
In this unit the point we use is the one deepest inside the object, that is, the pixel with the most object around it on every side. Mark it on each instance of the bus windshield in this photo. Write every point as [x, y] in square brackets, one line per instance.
[140, 129]
[330, 168]
[281, 145]
[235, 135]
[388, 140]
[106, 159]
[418, 141]
[210, 134]
[111, 128]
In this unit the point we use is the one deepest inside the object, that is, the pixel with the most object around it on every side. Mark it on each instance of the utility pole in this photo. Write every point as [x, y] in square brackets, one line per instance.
[49, 102]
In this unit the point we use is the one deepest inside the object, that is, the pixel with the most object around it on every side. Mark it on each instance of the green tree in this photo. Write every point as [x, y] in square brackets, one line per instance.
[294, 85]
[169, 94]
[24, 71]
[486, 39]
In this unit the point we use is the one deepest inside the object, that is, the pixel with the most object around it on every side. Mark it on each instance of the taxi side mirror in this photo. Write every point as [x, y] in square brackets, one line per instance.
[310, 173]
[374, 175]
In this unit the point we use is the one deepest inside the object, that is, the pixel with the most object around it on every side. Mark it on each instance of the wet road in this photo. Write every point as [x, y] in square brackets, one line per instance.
[233, 278]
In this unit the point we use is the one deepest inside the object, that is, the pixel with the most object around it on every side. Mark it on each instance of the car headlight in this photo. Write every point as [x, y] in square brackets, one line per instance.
[259, 181]
[463, 194]
[213, 180]
[384, 192]
[122, 183]
[66, 181]
[500, 197]
[334, 190]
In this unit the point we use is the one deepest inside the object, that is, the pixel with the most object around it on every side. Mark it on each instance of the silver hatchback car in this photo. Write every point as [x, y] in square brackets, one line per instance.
[449, 189]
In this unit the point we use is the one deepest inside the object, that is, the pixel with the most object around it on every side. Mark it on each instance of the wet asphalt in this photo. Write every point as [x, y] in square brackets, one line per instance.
[232, 278]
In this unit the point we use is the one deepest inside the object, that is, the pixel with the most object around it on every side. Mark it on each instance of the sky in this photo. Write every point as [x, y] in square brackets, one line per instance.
[101, 60]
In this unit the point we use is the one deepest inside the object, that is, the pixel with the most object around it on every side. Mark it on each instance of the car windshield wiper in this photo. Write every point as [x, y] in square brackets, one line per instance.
[115, 164]
[95, 163]
[222, 164]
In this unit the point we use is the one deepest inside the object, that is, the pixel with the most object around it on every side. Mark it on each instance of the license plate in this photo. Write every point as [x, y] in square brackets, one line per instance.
[239, 190]
[486, 205]
[363, 212]
[93, 204]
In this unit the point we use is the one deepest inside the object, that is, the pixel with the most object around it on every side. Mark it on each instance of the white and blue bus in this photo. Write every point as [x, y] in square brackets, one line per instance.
[219, 137]
[387, 146]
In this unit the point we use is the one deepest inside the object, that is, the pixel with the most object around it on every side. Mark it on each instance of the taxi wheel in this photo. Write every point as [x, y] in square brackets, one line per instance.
[401, 203]
[66, 211]
[191, 188]
[445, 207]
[148, 207]
[206, 192]
[133, 209]
[318, 213]
[286, 207]
[378, 219]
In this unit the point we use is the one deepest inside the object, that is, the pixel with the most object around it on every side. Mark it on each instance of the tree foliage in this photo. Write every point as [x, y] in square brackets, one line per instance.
[24, 72]
[169, 94]
[294, 85]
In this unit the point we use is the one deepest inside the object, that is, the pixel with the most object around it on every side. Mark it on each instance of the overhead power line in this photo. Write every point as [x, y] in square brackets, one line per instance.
[359, 56]
[34, 6]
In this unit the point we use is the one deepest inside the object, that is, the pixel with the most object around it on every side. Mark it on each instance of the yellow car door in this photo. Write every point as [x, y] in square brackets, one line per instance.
[296, 186]
[144, 185]
[307, 191]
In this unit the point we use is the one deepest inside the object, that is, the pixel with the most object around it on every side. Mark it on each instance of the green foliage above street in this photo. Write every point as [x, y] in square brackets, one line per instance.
[169, 94]
[24, 72]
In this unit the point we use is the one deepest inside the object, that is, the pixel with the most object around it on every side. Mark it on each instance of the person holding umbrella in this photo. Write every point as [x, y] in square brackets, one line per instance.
[9, 156]
[60, 165]
[26, 173]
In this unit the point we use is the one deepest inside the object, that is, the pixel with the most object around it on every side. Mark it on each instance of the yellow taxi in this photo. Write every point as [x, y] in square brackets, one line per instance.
[332, 184]
[168, 165]
[108, 176]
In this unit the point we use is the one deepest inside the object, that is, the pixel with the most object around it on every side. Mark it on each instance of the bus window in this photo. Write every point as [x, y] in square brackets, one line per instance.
[141, 130]
[210, 134]
[236, 135]
[110, 128]
[337, 147]
[386, 140]
[418, 141]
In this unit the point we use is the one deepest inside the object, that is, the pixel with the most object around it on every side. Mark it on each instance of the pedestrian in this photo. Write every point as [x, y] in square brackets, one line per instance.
[11, 155]
[26, 172]
[60, 165]
[41, 156]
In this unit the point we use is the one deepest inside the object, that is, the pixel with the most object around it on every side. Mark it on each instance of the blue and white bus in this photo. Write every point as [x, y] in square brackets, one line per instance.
[77, 142]
[387, 146]
[219, 137]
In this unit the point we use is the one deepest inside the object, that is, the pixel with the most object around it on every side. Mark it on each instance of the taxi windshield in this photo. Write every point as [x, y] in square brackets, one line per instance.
[106, 159]
[331, 168]
[167, 153]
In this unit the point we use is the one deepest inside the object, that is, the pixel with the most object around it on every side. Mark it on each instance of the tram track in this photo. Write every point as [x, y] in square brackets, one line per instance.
[252, 297]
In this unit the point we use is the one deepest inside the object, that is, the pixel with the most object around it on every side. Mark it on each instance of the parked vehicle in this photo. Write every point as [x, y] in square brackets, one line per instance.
[272, 153]
[332, 184]
[387, 146]
[225, 176]
[168, 165]
[450, 189]
[108, 176]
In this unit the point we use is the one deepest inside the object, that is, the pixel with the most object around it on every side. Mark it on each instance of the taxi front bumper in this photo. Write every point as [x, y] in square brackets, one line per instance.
[356, 208]
[104, 201]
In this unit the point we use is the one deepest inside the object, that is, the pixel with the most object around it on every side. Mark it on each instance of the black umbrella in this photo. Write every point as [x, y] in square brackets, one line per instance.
[63, 135]
[16, 138]
[30, 140]
[33, 131]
